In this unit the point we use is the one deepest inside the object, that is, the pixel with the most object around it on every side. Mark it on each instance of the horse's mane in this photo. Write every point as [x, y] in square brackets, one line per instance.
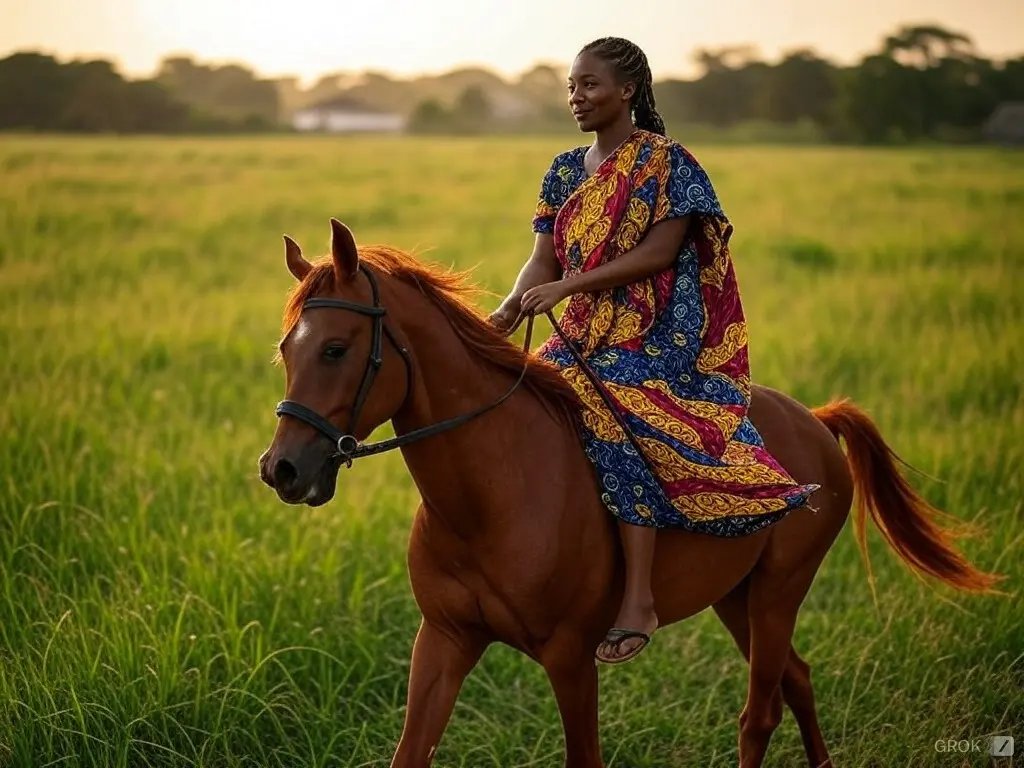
[449, 292]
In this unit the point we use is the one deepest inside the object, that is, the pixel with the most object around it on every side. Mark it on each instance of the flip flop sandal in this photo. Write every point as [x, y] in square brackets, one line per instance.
[615, 636]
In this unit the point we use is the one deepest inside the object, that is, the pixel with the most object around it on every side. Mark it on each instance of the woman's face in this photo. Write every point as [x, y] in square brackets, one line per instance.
[596, 98]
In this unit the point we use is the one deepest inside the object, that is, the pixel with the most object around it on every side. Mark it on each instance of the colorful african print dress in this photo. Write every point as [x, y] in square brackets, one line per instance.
[669, 350]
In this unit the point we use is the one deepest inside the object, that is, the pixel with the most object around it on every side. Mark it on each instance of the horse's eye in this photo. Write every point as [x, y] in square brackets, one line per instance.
[334, 352]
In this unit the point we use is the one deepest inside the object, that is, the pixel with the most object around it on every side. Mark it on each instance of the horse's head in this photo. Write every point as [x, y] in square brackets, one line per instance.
[342, 377]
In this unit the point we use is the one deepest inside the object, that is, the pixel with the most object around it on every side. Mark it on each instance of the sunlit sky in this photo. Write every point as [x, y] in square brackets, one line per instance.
[307, 38]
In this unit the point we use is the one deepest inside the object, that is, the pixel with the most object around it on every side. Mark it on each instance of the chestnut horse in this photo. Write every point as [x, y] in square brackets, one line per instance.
[511, 542]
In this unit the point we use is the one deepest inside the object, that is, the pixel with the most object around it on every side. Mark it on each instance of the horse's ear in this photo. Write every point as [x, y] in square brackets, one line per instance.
[343, 249]
[297, 264]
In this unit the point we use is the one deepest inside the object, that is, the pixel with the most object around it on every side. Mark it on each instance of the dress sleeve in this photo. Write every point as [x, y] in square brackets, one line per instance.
[553, 192]
[687, 188]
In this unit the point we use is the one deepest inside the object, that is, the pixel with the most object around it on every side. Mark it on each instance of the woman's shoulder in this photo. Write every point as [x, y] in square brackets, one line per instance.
[564, 175]
[668, 146]
[571, 158]
[681, 165]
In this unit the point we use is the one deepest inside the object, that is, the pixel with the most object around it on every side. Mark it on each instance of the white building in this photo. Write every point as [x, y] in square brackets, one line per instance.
[1006, 124]
[344, 115]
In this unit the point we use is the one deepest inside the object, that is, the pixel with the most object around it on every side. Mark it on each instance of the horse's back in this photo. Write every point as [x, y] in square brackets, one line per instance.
[811, 454]
[693, 571]
[803, 445]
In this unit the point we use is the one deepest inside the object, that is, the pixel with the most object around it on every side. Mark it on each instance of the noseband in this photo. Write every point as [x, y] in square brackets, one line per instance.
[347, 446]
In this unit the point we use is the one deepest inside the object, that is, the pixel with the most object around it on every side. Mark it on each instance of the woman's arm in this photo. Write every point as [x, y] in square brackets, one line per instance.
[656, 252]
[542, 267]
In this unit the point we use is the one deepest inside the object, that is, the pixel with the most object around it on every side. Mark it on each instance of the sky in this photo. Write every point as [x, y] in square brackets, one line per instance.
[307, 38]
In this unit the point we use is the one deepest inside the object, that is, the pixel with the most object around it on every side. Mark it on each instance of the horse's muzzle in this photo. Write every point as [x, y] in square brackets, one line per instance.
[310, 479]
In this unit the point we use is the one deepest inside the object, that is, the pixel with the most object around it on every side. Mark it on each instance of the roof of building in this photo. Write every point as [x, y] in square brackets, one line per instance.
[1006, 121]
[344, 104]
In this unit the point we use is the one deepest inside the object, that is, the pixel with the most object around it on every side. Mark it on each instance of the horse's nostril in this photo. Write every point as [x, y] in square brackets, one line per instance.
[284, 474]
[264, 467]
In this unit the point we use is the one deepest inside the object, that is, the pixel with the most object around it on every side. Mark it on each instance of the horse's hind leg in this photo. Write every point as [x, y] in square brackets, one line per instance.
[796, 687]
[799, 695]
[775, 592]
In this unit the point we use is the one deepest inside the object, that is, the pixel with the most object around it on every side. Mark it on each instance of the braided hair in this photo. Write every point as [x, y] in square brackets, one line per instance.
[630, 62]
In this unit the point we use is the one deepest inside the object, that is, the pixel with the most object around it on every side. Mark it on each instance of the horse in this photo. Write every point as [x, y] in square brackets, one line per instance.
[510, 506]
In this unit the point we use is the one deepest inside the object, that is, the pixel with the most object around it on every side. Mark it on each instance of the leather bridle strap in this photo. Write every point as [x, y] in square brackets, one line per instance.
[347, 447]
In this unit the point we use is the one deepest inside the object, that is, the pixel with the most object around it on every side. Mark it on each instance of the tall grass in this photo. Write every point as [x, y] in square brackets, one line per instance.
[158, 606]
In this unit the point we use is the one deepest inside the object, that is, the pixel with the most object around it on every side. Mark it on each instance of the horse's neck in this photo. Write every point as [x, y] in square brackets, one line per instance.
[473, 474]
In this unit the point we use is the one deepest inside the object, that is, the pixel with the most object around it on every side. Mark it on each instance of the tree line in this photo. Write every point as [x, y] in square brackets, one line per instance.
[922, 82]
[39, 93]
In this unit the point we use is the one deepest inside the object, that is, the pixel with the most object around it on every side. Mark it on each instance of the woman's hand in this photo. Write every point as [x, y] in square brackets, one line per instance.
[503, 317]
[542, 298]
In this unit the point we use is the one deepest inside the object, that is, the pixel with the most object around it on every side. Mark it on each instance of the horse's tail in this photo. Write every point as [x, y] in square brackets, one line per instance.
[908, 522]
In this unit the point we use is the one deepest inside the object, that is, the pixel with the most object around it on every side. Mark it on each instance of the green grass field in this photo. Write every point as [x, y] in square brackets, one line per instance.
[160, 607]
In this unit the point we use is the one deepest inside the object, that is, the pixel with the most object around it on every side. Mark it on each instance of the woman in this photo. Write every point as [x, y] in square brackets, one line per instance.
[631, 232]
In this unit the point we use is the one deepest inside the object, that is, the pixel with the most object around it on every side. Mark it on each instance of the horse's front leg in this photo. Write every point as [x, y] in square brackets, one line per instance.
[440, 662]
[569, 663]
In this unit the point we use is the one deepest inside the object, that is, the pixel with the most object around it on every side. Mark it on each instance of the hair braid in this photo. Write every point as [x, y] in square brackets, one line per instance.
[630, 62]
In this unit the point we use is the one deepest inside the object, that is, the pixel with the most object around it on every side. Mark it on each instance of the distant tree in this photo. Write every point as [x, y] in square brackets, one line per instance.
[98, 100]
[924, 80]
[962, 92]
[726, 91]
[39, 93]
[675, 99]
[881, 101]
[239, 93]
[290, 96]
[472, 110]
[728, 57]
[385, 93]
[800, 87]
[726, 96]
[325, 88]
[921, 45]
[430, 116]
[231, 91]
[33, 90]
[149, 108]
[544, 85]
[1008, 80]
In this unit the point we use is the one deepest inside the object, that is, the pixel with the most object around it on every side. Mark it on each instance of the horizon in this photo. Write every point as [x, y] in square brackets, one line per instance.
[136, 35]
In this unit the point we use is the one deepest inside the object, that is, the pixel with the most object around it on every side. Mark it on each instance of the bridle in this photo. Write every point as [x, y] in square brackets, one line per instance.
[347, 447]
